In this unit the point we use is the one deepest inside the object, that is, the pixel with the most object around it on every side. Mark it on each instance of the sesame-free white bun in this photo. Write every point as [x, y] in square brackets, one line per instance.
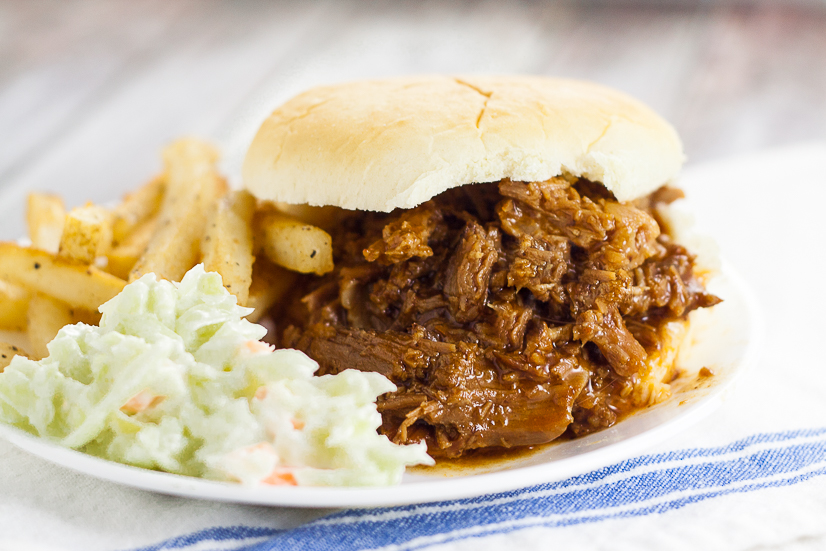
[395, 143]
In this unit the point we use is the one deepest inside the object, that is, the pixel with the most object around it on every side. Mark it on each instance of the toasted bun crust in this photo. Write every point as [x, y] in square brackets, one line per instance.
[385, 144]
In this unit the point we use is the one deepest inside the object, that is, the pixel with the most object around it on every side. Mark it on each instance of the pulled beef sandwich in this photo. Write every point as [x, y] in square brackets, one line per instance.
[501, 258]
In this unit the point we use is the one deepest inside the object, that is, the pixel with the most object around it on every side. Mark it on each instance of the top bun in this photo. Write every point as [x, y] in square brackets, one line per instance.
[395, 143]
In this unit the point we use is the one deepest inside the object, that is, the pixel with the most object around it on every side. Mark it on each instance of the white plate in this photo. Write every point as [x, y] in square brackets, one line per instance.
[722, 338]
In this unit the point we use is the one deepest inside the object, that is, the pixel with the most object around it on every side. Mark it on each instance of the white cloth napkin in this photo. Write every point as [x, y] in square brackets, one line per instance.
[749, 477]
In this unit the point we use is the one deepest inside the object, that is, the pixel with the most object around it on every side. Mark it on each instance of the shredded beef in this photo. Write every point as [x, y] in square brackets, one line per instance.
[468, 272]
[507, 314]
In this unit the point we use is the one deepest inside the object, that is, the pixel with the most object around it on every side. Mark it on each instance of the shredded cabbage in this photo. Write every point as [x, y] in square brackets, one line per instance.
[175, 379]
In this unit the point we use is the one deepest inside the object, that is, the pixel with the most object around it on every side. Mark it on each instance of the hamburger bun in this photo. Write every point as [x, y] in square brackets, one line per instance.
[395, 143]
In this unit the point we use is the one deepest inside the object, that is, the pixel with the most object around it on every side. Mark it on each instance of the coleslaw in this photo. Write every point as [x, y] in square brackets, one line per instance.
[175, 379]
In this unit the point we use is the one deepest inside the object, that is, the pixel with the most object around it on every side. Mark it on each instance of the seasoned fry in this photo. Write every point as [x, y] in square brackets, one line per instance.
[77, 285]
[323, 217]
[123, 257]
[14, 302]
[89, 317]
[45, 214]
[46, 317]
[136, 208]
[227, 243]
[192, 186]
[7, 352]
[294, 245]
[87, 234]
[180, 217]
[269, 284]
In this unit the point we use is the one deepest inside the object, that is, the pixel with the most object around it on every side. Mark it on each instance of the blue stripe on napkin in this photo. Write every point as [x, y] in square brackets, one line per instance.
[229, 537]
[643, 485]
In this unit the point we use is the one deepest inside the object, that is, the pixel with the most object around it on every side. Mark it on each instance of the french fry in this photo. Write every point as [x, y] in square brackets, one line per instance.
[295, 245]
[89, 317]
[45, 214]
[323, 217]
[7, 352]
[123, 257]
[87, 234]
[14, 302]
[192, 186]
[269, 284]
[227, 244]
[46, 316]
[136, 208]
[79, 286]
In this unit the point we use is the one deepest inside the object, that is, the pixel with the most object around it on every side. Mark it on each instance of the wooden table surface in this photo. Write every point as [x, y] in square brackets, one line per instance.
[91, 90]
